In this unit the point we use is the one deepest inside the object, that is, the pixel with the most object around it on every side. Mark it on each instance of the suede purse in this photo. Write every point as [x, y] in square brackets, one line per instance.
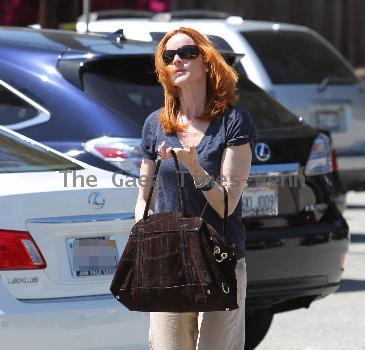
[176, 263]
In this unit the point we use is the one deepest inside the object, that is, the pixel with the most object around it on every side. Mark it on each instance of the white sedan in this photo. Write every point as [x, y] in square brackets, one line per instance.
[63, 226]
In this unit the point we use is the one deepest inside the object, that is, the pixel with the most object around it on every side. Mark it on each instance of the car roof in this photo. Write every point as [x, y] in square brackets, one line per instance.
[184, 15]
[132, 27]
[63, 40]
[234, 22]
[166, 20]
[76, 49]
[250, 25]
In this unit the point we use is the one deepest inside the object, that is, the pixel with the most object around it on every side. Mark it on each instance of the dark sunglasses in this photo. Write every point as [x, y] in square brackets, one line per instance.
[188, 52]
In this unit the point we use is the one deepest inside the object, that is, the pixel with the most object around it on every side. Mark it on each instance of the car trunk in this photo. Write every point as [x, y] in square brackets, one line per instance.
[70, 232]
[312, 80]
[331, 109]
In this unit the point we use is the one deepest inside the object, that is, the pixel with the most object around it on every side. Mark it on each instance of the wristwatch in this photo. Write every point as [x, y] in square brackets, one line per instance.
[206, 184]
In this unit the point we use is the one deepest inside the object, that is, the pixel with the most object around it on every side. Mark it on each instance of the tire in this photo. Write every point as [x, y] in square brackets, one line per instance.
[257, 325]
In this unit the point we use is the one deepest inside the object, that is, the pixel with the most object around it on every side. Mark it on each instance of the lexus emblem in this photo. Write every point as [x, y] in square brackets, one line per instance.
[96, 200]
[262, 151]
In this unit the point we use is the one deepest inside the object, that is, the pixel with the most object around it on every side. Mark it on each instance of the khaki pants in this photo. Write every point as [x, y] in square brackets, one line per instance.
[217, 330]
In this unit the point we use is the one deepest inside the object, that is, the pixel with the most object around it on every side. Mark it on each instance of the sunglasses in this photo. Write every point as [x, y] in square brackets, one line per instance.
[188, 52]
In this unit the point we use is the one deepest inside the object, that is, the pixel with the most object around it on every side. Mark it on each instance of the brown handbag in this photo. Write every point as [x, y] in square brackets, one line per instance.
[176, 263]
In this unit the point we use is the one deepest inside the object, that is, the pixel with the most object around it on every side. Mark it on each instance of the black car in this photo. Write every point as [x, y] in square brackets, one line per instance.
[88, 96]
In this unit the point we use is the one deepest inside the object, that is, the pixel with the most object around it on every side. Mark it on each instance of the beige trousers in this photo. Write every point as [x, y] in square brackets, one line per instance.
[217, 330]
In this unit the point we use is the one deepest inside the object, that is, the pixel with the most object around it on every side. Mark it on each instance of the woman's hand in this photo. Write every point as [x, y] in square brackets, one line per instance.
[188, 156]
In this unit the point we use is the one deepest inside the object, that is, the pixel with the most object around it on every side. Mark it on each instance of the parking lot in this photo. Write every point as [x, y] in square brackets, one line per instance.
[336, 322]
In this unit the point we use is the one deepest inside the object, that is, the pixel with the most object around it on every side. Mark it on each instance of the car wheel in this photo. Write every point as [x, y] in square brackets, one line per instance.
[257, 325]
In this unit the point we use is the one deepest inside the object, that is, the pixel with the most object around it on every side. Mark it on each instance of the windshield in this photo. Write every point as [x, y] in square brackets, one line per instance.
[19, 155]
[294, 57]
[128, 86]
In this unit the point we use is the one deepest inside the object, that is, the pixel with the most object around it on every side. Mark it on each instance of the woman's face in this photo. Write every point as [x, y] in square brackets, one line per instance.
[184, 71]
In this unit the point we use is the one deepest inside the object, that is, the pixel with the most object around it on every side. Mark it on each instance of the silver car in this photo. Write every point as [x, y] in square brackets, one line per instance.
[293, 63]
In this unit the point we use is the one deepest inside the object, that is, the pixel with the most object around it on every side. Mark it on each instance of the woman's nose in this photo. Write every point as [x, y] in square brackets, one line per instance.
[177, 58]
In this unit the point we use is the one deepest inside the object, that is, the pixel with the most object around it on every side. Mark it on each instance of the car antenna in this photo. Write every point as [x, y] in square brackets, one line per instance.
[117, 36]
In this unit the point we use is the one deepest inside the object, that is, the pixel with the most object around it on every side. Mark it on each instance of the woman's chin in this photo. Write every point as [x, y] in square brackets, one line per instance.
[180, 81]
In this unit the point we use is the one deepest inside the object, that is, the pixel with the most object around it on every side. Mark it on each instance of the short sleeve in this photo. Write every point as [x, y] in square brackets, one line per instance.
[240, 128]
[148, 142]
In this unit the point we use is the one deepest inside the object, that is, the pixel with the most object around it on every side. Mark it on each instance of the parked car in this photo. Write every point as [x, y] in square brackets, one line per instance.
[59, 245]
[293, 63]
[88, 96]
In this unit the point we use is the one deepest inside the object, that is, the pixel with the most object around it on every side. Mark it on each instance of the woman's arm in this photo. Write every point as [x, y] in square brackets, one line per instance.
[235, 168]
[146, 173]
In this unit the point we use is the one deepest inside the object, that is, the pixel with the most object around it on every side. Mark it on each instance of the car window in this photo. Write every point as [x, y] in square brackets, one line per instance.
[293, 57]
[17, 111]
[265, 110]
[19, 155]
[128, 86]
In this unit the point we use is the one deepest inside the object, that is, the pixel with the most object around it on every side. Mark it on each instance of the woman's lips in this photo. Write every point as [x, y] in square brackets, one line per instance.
[179, 71]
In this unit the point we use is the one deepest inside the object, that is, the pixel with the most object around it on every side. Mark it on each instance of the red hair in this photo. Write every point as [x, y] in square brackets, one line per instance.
[221, 82]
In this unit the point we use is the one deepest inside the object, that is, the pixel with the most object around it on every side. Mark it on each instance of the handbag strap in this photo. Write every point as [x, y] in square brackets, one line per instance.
[149, 198]
[182, 201]
[204, 209]
[225, 219]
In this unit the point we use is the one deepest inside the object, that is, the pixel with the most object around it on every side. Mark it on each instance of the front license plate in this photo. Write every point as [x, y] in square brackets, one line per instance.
[260, 200]
[92, 256]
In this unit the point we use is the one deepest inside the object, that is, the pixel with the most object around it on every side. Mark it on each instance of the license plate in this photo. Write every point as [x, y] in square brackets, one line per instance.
[93, 256]
[335, 118]
[260, 200]
[329, 120]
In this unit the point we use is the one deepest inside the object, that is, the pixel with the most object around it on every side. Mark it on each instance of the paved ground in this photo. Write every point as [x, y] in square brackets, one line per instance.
[338, 321]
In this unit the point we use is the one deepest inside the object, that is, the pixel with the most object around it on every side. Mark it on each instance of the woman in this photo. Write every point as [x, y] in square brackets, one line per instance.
[211, 139]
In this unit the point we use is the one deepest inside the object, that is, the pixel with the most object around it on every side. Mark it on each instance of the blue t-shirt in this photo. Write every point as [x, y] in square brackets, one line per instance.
[233, 127]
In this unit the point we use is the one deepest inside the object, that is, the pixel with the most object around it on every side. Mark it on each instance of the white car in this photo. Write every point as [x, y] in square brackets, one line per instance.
[296, 65]
[59, 245]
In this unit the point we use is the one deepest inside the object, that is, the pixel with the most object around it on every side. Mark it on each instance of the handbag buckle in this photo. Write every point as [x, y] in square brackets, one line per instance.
[225, 288]
[219, 257]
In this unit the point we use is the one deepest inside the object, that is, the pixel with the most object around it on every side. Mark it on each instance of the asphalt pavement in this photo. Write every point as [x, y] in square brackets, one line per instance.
[336, 322]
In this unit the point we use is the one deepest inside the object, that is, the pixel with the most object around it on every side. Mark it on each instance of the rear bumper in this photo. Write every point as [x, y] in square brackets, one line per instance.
[96, 322]
[289, 267]
[285, 295]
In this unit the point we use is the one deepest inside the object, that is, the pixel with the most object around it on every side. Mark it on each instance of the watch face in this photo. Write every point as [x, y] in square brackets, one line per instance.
[204, 182]
[209, 184]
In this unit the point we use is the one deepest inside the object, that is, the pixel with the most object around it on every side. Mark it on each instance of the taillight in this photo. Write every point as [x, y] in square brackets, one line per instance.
[18, 251]
[334, 160]
[320, 158]
[123, 153]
